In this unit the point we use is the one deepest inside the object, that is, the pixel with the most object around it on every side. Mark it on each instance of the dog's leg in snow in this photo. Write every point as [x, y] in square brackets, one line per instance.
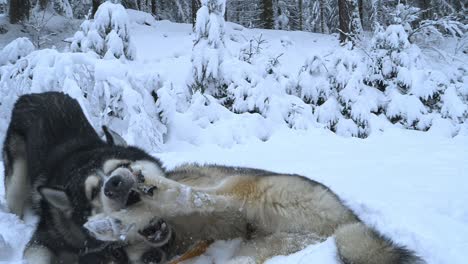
[38, 254]
[170, 198]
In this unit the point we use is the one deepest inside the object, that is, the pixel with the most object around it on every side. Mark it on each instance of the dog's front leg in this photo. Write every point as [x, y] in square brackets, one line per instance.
[38, 254]
[170, 198]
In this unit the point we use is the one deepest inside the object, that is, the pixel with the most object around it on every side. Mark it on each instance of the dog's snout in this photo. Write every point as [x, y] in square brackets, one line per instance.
[118, 186]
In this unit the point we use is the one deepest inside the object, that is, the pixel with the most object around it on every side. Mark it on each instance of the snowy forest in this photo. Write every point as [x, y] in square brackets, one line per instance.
[369, 97]
[378, 76]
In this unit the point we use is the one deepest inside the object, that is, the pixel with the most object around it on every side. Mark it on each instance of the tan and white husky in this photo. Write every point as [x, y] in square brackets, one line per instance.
[273, 214]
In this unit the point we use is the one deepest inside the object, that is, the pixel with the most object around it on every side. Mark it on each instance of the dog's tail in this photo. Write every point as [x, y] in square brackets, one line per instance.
[359, 244]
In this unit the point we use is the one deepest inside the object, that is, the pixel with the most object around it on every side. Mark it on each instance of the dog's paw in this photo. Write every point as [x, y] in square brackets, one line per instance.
[154, 256]
[157, 233]
[108, 229]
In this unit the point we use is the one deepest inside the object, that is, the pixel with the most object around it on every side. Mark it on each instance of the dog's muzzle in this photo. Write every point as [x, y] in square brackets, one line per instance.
[118, 187]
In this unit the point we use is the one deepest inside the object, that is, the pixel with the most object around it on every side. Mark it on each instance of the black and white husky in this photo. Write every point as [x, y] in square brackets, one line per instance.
[57, 165]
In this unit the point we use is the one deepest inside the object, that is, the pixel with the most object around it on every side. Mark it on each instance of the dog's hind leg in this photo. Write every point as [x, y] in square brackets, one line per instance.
[262, 248]
[17, 184]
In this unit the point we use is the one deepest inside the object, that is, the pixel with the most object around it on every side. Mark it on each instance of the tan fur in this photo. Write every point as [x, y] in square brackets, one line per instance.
[223, 209]
[273, 213]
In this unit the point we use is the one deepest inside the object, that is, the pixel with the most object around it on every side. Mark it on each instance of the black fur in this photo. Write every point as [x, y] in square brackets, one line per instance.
[61, 148]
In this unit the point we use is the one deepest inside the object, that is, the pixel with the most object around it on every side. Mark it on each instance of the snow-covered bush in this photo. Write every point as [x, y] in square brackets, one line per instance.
[251, 49]
[15, 50]
[405, 15]
[414, 96]
[209, 48]
[64, 8]
[394, 59]
[426, 31]
[107, 34]
[110, 91]
[336, 91]
[313, 85]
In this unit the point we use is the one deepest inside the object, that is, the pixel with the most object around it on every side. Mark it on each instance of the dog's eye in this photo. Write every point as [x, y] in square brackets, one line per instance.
[117, 254]
[125, 165]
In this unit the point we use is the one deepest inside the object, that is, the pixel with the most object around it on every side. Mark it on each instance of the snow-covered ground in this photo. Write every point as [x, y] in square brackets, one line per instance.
[411, 186]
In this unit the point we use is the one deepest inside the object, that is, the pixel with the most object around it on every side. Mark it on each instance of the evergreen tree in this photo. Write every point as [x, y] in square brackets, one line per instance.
[208, 49]
[107, 34]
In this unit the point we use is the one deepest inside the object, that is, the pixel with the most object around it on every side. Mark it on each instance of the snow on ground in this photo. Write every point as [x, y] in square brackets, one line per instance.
[411, 186]
[55, 27]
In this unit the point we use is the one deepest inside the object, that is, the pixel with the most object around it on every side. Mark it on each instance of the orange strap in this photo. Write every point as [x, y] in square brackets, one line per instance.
[195, 251]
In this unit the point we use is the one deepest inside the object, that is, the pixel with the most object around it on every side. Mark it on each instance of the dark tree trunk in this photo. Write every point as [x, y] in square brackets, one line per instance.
[301, 19]
[195, 6]
[153, 7]
[322, 16]
[361, 11]
[225, 12]
[343, 14]
[425, 5]
[96, 4]
[43, 4]
[266, 15]
[19, 10]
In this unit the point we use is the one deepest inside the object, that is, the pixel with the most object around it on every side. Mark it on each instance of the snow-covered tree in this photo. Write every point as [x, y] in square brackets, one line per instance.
[415, 96]
[394, 58]
[313, 85]
[107, 34]
[15, 50]
[209, 48]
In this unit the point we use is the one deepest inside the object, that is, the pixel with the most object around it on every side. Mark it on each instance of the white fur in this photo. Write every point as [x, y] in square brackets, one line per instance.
[112, 164]
[18, 187]
[147, 168]
[90, 183]
[38, 255]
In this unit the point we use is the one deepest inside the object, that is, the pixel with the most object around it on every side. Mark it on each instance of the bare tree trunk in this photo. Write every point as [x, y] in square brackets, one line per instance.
[225, 12]
[425, 5]
[95, 7]
[43, 4]
[301, 22]
[153, 7]
[361, 12]
[322, 16]
[19, 10]
[195, 6]
[266, 14]
[343, 14]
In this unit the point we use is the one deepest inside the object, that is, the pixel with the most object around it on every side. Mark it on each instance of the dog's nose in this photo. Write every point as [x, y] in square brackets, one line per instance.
[118, 186]
[114, 186]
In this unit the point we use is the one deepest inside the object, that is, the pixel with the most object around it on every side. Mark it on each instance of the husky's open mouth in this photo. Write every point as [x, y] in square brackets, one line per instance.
[133, 198]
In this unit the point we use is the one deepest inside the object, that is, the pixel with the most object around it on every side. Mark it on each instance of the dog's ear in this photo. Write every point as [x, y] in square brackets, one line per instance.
[113, 138]
[56, 197]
